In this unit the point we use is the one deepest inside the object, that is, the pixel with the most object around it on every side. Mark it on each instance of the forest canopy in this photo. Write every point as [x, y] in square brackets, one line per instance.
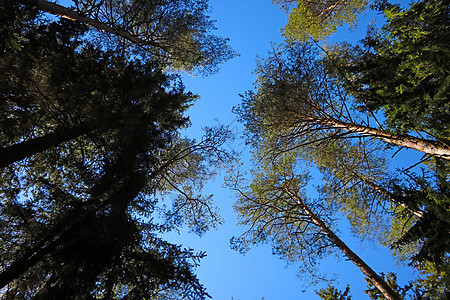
[96, 170]
[90, 147]
[349, 111]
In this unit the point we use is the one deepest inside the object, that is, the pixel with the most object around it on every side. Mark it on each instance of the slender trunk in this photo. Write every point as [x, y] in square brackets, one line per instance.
[64, 12]
[377, 281]
[426, 146]
[19, 151]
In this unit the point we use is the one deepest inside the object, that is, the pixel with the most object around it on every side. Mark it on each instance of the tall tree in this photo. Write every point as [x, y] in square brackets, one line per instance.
[275, 209]
[175, 31]
[304, 99]
[97, 248]
[76, 212]
[319, 19]
[300, 105]
[402, 69]
[316, 108]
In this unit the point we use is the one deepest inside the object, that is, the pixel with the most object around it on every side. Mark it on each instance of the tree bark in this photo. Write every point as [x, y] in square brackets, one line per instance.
[19, 151]
[377, 281]
[426, 146]
[64, 12]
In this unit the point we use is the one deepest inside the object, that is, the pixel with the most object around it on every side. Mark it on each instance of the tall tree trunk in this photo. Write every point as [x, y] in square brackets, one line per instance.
[19, 151]
[426, 146]
[64, 12]
[377, 281]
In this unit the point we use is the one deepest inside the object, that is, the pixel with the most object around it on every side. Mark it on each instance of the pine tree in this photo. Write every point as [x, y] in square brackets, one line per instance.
[175, 31]
[90, 145]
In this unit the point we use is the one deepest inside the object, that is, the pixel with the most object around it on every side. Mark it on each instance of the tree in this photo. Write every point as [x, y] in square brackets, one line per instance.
[315, 109]
[79, 238]
[301, 107]
[304, 99]
[331, 293]
[298, 104]
[99, 249]
[275, 209]
[403, 69]
[175, 31]
[76, 212]
[318, 19]
[295, 99]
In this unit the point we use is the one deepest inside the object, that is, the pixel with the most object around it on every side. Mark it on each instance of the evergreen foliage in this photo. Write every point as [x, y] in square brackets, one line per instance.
[331, 293]
[319, 19]
[89, 149]
[177, 32]
[322, 106]
[403, 69]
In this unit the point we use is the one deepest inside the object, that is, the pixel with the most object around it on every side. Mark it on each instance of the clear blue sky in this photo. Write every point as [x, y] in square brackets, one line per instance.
[252, 25]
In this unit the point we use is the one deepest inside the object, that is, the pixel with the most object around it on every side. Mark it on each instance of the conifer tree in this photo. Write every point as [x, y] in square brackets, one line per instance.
[89, 147]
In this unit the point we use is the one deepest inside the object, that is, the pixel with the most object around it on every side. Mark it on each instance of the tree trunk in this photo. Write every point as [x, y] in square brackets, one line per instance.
[64, 12]
[19, 151]
[426, 146]
[377, 281]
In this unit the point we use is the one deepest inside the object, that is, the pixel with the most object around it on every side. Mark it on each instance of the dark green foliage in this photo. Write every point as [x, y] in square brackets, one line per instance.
[391, 280]
[76, 211]
[331, 293]
[176, 32]
[321, 110]
[404, 68]
[431, 231]
[419, 289]
[15, 19]
[435, 284]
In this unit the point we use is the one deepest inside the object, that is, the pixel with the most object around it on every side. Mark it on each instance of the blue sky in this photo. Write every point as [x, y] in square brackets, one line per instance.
[252, 25]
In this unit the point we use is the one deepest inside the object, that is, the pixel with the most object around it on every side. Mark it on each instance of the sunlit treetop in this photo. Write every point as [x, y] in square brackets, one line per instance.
[176, 32]
[319, 19]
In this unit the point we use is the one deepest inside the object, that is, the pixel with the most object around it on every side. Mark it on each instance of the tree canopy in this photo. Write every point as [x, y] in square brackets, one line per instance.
[403, 68]
[275, 208]
[319, 19]
[344, 110]
[177, 32]
[89, 149]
